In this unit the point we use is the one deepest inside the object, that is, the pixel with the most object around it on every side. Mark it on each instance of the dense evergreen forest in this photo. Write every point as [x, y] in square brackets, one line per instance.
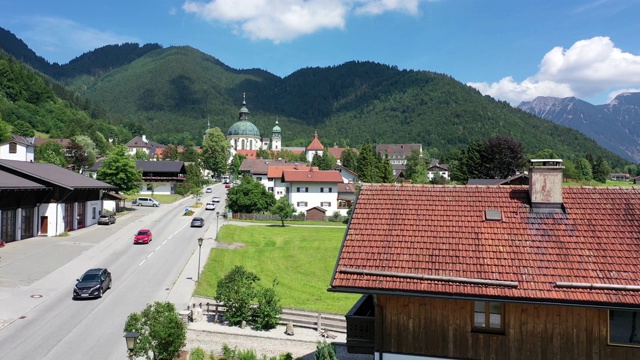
[171, 94]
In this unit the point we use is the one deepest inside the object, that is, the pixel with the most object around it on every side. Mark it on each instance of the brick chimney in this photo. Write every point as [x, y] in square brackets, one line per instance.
[545, 185]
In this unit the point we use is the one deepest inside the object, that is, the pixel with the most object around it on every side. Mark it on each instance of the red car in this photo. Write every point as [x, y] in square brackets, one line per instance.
[143, 236]
[227, 186]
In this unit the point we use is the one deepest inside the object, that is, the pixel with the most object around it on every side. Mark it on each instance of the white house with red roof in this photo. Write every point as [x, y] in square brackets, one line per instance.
[314, 148]
[313, 188]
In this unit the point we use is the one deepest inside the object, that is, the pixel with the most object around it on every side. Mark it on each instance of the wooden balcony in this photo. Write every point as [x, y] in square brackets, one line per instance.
[361, 326]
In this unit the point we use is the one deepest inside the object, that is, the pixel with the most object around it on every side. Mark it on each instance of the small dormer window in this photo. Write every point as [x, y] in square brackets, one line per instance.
[13, 148]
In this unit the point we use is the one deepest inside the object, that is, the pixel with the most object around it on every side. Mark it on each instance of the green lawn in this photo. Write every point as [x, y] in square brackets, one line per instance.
[163, 199]
[301, 258]
[292, 222]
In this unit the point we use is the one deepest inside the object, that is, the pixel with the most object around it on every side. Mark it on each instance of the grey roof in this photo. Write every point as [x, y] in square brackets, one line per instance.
[260, 166]
[397, 150]
[435, 163]
[160, 166]
[19, 139]
[9, 181]
[484, 181]
[52, 174]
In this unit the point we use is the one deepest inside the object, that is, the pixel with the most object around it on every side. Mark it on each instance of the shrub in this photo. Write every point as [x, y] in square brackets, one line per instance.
[197, 354]
[325, 351]
[335, 217]
[267, 314]
[236, 291]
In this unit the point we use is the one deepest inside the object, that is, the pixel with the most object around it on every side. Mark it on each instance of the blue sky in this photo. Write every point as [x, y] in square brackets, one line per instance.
[513, 50]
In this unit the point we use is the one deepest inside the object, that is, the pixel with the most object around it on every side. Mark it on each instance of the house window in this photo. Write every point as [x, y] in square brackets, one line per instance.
[330, 189]
[343, 204]
[624, 327]
[321, 189]
[13, 148]
[301, 203]
[325, 204]
[488, 316]
[303, 189]
[259, 178]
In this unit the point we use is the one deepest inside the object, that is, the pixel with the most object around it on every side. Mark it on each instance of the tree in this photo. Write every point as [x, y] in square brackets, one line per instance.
[236, 162]
[236, 291]
[283, 208]
[349, 159]
[23, 128]
[5, 132]
[583, 166]
[266, 315]
[263, 154]
[162, 332]
[81, 152]
[170, 152]
[367, 164]
[188, 154]
[141, 155]
[601, 170]
[119, 169]
[51, 152]
[502, 157]
[215, 151]
[386, 170]
[471, 162]
[249, 197]
[416, 168]
[324, 161]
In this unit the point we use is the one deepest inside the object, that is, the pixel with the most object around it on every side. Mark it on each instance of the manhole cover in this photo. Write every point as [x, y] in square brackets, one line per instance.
[36, 296]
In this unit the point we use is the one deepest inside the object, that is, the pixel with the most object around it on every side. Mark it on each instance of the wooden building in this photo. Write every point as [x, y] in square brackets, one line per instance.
[494, 272]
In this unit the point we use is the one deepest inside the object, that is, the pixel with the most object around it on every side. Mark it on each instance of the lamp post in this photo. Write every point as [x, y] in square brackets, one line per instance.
[132, 340]
[217, 217]
[199, 252]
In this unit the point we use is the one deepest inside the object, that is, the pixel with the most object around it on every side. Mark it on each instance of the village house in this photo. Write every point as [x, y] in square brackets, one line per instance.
[494, 272]
[158, 177]
[313, 188]
[141, 143]
[18, 148]
[39, 199]
[436, 169]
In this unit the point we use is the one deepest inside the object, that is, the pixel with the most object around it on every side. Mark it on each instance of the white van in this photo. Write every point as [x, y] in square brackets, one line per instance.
[145, 201]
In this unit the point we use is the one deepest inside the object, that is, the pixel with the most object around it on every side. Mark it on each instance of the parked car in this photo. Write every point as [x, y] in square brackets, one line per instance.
[92, 284]
[226, 186]
[209, 190]
[143, 236]
[210, 206]
[145, 201]
[197, 222]
[216, 199]
[106, 219]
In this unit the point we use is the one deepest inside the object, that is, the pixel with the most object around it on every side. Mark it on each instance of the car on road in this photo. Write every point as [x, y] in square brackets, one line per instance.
[226, 186]
[209, 190]
[106, 219]
[197, 222]
[144, 236]
[216, 199]
[92, 284]
[145, 201]
[210, 206]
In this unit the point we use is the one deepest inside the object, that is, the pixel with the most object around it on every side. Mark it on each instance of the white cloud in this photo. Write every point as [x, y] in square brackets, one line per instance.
[60, 37]
[613, 94]
[588, 67]
[285, 20]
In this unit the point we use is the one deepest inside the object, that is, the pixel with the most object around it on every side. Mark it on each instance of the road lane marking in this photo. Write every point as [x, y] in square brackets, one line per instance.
[142, 262]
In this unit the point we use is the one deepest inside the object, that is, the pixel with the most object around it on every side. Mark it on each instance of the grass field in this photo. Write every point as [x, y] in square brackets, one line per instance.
[301, 258]
[291, 222]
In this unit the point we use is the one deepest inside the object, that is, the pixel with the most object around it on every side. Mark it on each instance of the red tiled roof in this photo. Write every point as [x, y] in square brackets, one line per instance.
[315, 143]
[259, 166]
[312, 176]
[336, 152]
[249, 154]
[441, 231]
[276, 171]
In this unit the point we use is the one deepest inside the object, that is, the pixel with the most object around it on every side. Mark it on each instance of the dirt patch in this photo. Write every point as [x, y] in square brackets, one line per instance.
[230, 246]
[183, 355]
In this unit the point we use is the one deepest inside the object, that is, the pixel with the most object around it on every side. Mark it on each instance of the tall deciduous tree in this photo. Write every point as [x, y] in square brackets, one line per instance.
[502, 156]
[51, 152]
[283, 208]
[583, 166]
[5, 131]
[601, 170]
[236, 290]
[236, 162]
[119, 169]
[215, 151]
[162, 334]
[170, 152]
[416, 166]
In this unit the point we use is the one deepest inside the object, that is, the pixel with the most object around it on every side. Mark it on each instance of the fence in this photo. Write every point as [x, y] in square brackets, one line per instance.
[271, 217]
[214, 312]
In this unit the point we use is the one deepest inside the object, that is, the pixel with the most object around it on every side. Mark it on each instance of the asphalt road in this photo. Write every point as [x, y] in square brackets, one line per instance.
[53, 326]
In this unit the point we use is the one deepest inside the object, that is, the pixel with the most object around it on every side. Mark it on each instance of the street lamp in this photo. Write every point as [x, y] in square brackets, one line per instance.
[199, 252]
[217, 228]
[132, 339]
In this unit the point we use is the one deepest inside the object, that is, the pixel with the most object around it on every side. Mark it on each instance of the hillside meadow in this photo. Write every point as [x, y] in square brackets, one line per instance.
[302, 259]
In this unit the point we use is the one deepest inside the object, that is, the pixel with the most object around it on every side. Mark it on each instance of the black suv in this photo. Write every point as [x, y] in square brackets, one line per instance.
[92, 284]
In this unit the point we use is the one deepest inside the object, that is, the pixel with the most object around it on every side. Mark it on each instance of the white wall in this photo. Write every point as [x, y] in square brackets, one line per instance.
[163, 188]
[90, 218]
[54, 212]
[314, 197]
[23, 153]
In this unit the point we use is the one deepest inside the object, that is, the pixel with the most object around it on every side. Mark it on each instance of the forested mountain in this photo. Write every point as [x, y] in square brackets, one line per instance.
[614, 126]
[169, 94]
[31, 102]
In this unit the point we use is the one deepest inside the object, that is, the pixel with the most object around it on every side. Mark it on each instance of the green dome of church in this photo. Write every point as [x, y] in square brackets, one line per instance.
[243, 128]
[276, 128]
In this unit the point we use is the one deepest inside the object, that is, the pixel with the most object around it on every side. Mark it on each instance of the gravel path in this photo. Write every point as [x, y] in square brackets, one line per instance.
[302, 344]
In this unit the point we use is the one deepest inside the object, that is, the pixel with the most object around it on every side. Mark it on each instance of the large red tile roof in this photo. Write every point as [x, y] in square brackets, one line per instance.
[276, 171]
[312, 176]
[315, 144]
[411, 238]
